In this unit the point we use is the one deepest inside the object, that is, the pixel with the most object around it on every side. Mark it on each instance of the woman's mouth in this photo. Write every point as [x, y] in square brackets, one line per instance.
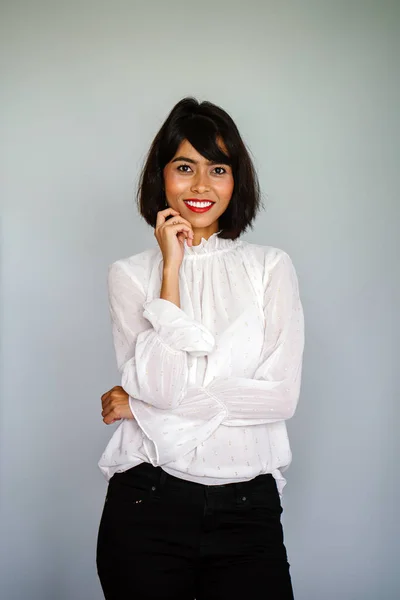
[199, 206]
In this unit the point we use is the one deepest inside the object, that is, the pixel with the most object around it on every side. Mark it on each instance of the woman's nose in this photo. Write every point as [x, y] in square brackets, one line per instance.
[200, 183]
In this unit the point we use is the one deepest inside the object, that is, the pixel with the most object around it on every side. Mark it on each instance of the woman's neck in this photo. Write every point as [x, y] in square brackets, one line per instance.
[204, 232]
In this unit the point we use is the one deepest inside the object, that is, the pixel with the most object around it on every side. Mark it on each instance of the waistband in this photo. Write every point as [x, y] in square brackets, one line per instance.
[159, 477]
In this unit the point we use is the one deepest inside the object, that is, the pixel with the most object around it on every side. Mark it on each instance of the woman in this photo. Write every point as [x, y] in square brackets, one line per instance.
[208, 334]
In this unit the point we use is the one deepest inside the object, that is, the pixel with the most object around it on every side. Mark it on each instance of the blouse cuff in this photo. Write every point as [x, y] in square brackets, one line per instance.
[176, 329]
[170, 434]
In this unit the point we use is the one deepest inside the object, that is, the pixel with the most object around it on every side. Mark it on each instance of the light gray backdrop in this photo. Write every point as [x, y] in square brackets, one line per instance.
[314, 89]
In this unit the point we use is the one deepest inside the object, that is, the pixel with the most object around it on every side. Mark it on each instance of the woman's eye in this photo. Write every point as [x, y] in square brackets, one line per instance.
[220, 170]
[187, 169]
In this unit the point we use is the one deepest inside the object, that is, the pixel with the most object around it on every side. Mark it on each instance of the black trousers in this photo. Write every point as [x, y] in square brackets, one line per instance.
[162, 537]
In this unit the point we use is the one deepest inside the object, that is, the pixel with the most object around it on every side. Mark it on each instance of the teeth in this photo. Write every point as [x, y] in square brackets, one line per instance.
[199, 204]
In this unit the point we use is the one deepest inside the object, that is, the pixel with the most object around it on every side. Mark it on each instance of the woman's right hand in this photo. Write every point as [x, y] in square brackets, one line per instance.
[115, 404]
[170, 235]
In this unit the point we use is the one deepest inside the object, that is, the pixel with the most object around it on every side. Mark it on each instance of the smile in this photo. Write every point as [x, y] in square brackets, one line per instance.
[199, 206]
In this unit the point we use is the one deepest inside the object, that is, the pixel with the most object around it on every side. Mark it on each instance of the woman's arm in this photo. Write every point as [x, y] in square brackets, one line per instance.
[272, 394]
[170, 285]
[152, 345]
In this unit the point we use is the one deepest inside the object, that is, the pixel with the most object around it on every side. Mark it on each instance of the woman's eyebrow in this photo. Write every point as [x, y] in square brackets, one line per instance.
[194, 162]
[184, 158]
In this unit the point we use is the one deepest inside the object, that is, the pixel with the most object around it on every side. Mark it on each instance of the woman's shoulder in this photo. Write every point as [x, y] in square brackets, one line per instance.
[137, 266]
[265, 256]
[271, 262]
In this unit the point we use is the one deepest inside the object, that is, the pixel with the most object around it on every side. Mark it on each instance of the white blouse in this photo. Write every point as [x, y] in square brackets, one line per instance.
[210, 384]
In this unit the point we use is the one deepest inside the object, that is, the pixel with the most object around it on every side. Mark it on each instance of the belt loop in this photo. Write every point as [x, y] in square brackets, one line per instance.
[157, 482]
[242, 495]
[238, 492]
[163, 477]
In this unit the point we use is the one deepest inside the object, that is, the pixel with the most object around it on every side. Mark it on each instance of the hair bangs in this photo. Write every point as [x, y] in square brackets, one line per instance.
[203, 135]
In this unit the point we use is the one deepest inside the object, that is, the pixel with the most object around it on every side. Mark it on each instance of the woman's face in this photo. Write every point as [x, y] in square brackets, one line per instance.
[189, 177]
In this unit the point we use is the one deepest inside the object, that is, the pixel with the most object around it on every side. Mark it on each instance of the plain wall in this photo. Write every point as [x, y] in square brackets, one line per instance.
[314, 90]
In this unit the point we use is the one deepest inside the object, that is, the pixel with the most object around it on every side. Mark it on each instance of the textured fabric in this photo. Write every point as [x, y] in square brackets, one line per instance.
[162, 538]
[212, 383]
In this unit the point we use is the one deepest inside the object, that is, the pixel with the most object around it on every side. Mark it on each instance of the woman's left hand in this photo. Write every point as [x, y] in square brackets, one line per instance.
[115, 405]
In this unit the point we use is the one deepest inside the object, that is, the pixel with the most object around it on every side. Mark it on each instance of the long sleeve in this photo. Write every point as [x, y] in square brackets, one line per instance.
[152, 340]
[270, 396]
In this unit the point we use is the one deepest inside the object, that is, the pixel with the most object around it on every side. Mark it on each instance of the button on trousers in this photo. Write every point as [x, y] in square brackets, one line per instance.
[161, 537]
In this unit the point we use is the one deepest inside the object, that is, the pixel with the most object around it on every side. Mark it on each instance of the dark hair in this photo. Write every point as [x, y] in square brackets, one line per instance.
[201, 124]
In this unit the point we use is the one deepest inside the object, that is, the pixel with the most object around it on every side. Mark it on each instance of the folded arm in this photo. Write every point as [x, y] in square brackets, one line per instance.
[152, 341]
[272, 393]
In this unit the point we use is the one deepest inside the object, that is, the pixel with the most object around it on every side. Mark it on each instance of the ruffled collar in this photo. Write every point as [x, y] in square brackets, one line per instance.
[210, 246]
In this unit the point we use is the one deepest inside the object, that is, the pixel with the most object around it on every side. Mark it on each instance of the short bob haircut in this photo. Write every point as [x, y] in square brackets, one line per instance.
[201, 124]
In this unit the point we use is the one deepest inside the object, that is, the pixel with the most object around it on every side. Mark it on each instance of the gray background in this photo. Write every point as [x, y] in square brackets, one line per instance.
[314, 89]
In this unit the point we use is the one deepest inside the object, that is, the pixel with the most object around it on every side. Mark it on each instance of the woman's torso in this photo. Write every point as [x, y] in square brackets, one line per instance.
[222, 285]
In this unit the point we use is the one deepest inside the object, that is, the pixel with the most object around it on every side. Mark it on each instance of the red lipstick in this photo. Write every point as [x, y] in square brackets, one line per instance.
[198, 209]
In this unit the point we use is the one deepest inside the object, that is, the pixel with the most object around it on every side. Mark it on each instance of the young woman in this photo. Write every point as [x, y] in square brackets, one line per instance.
[208, 332]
